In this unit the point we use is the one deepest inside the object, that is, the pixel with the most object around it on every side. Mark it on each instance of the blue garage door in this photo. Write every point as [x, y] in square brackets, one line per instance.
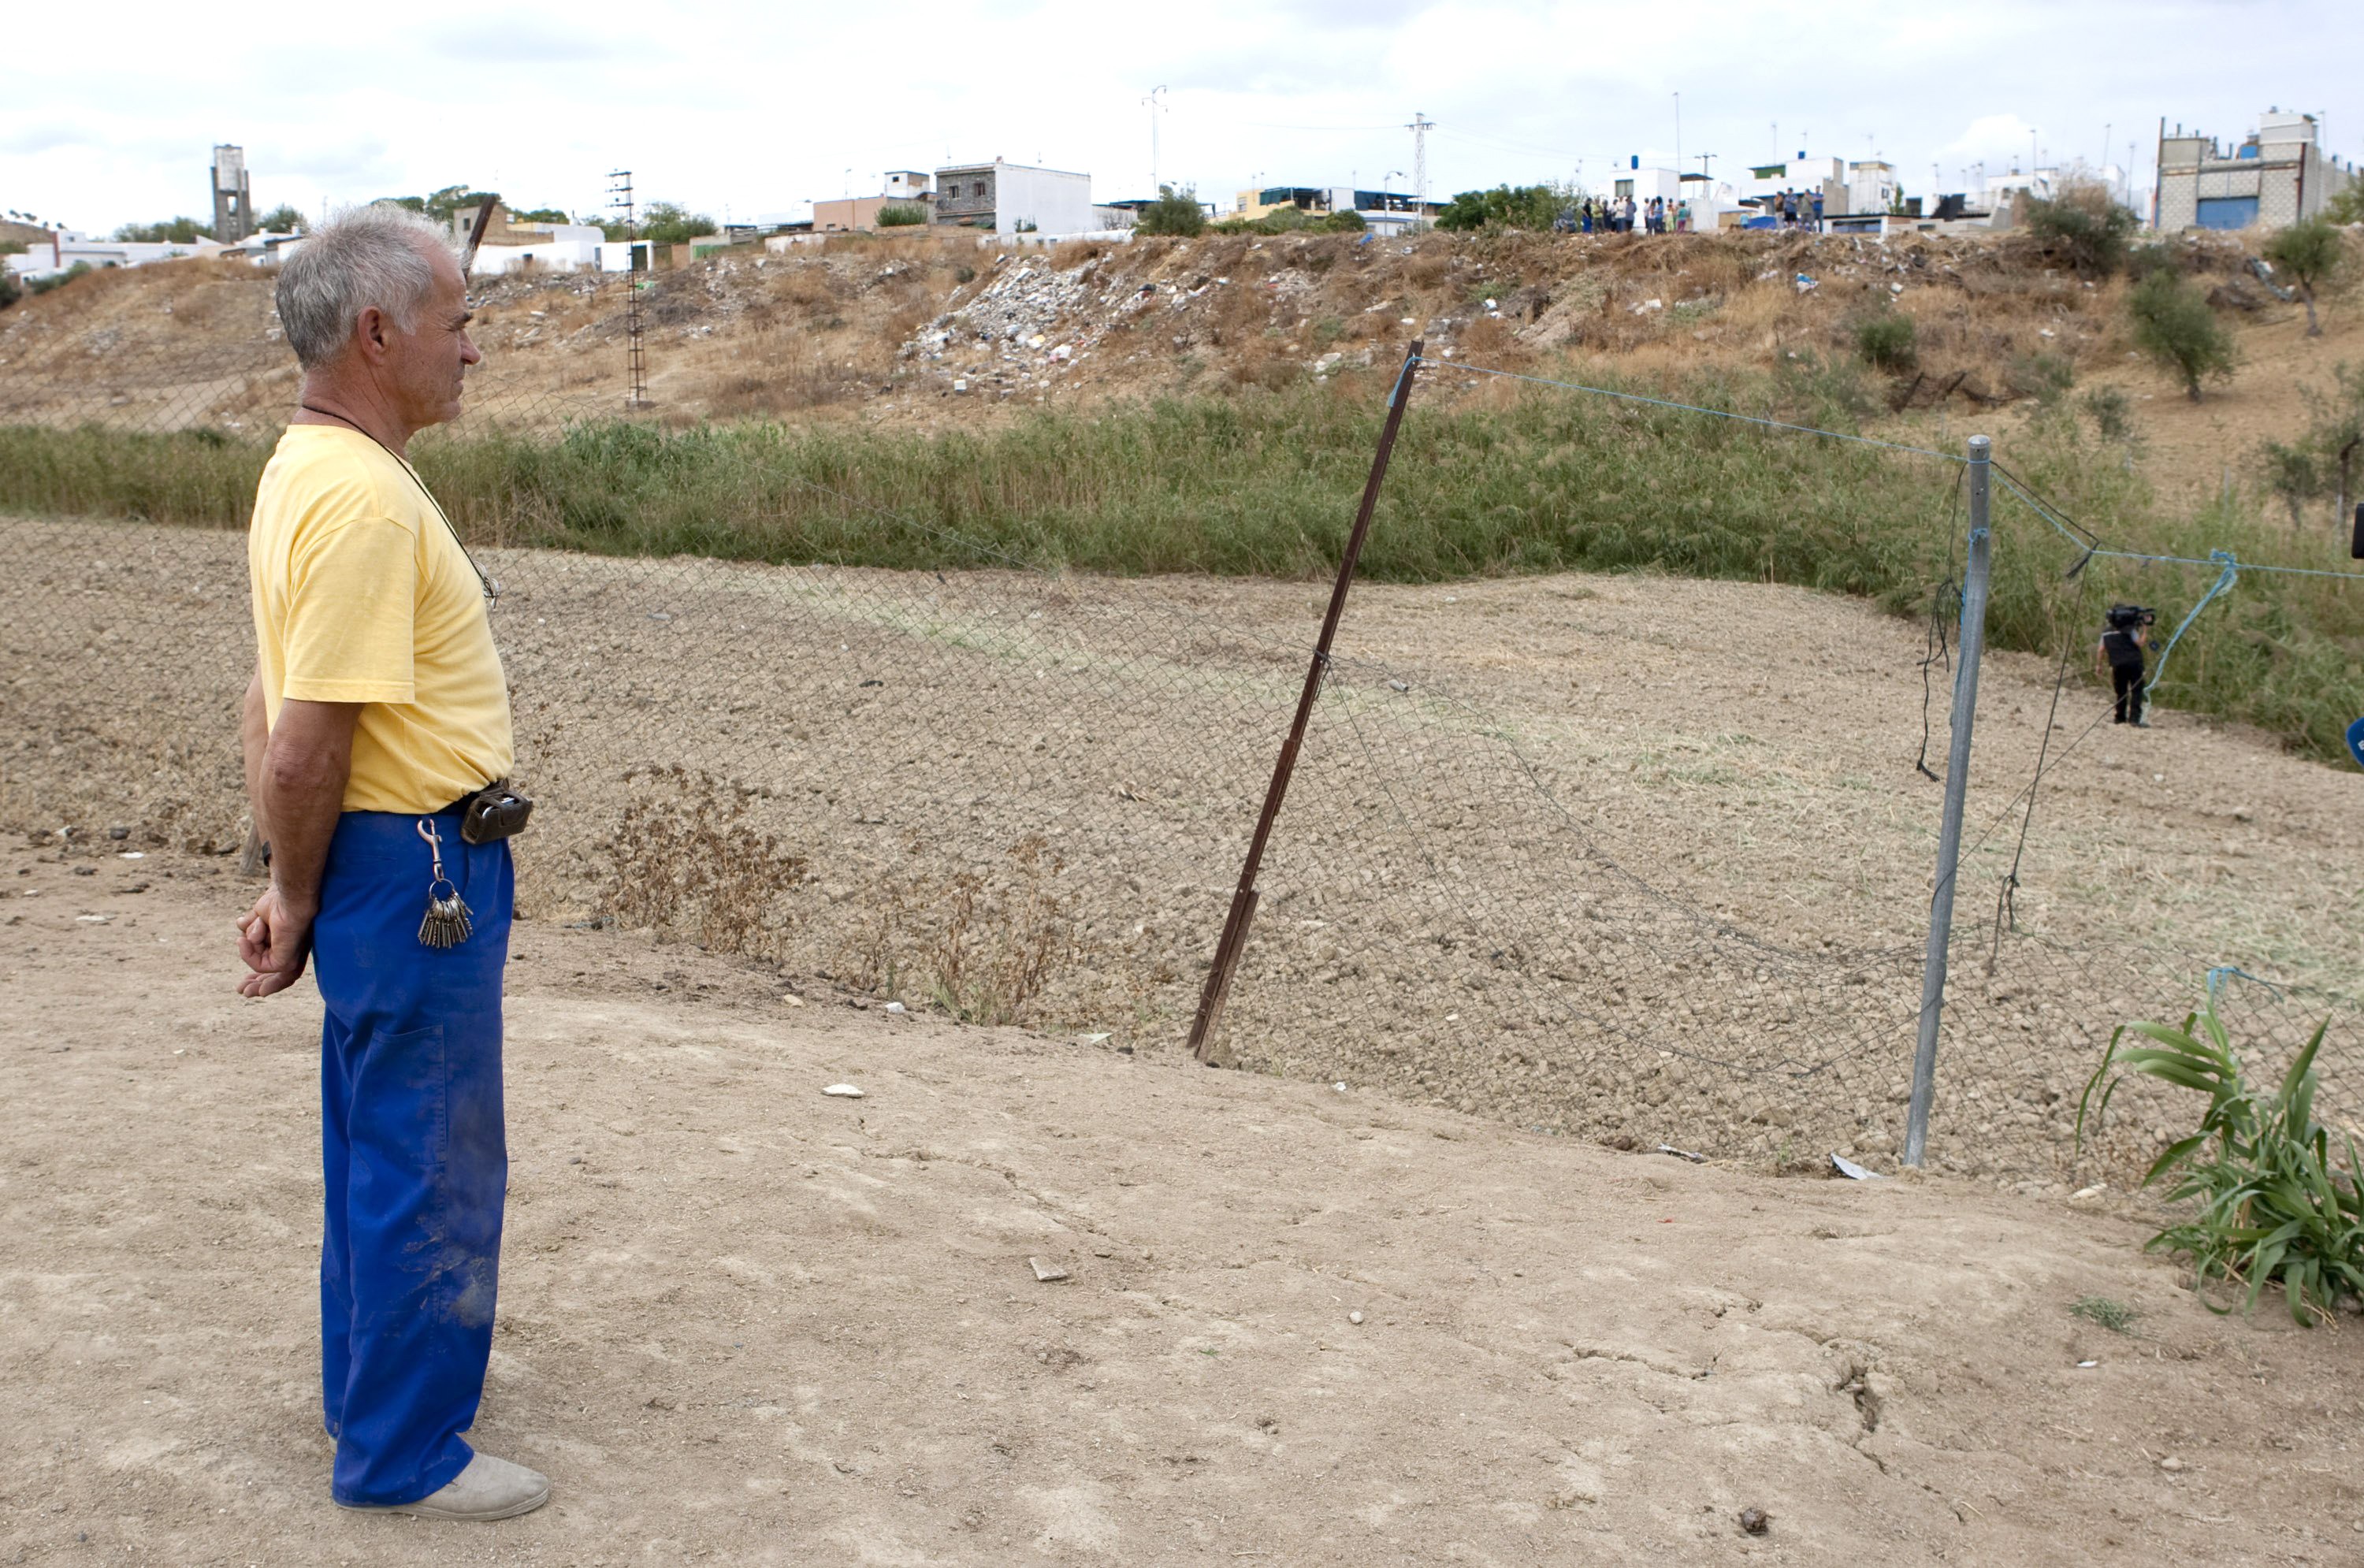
[2228, 212]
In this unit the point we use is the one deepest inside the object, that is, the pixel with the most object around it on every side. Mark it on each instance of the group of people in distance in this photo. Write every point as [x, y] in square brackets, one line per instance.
[1660, 214]
[1601, 215]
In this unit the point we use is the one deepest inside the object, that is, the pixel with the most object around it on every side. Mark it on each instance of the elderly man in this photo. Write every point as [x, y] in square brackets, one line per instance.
[377, 719]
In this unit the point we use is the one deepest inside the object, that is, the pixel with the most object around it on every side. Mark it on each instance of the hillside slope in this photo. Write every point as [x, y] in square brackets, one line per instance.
[931, 334]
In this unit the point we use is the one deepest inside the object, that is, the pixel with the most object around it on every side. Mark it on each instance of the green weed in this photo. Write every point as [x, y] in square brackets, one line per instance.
[2274, 1205]
[2114, 1315]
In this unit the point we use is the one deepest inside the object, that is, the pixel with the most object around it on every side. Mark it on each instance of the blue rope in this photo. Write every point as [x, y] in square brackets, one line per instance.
[2217, 974]
[1694, 408]
[2229, 570]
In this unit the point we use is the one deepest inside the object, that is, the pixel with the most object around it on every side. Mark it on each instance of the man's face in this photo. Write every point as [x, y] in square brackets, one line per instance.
[423, 368]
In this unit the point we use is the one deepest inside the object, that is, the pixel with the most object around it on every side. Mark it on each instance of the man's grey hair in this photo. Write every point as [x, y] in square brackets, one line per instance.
[362, 257]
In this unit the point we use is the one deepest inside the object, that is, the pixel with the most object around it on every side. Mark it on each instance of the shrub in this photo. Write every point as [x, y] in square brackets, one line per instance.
[2044, 376]
[1174, 212]
[2112, 412]
[56, 280]
[2323, 461]
[2291, 473]
[670, 223]
[1504, 206]
[1884, 336]
[2311, 252]
[2085, 224]
[2175, 327]
[10, 289]
[2274, 1203]
[901, 215]
[1345, 220]
[2148, 260]
[173, 230]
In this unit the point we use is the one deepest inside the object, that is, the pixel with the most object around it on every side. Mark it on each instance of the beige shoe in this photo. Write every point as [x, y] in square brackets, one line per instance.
[488, 1489]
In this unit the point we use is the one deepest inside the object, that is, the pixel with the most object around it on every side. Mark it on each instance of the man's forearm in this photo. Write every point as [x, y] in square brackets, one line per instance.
[303, 792]
[254, 742]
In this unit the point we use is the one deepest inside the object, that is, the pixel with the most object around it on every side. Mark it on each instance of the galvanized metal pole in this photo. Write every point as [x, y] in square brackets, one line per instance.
[1957, 781]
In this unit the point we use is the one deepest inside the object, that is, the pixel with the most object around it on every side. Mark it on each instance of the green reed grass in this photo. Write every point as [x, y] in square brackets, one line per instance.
[1264, 484]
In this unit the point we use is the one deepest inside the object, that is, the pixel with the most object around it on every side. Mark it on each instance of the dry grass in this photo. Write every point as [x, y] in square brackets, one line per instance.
[690, 864]
[981, 942]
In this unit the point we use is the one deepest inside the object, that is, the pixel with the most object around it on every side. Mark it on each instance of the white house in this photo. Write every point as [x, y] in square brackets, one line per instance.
[71, 247]
[1014, 198]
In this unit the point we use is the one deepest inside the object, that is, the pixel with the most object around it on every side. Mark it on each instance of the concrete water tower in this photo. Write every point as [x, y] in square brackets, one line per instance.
[233, 212]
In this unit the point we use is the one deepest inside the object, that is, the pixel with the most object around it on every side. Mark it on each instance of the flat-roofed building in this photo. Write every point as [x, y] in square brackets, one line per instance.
[2280, 175]
[1014, 198]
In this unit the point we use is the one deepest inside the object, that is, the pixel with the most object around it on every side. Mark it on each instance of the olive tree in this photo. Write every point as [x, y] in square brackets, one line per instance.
[2310, 252]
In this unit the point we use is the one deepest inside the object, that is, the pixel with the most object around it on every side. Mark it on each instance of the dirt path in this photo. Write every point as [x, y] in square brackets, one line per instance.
[741, 1322]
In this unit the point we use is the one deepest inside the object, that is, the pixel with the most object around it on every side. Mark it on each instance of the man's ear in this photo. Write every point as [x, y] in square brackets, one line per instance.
[371, 328]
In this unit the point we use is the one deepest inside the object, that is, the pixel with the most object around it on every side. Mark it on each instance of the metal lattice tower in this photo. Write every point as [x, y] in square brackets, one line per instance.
[1419, 127]
[619, 198]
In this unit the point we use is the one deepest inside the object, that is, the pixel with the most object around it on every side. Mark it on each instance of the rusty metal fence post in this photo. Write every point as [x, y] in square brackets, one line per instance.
[1243, 898]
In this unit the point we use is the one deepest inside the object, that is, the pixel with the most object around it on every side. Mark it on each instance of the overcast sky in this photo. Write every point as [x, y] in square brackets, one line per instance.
[757, 108]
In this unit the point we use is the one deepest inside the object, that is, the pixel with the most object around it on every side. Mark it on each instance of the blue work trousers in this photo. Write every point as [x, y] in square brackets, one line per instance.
[413, 1151]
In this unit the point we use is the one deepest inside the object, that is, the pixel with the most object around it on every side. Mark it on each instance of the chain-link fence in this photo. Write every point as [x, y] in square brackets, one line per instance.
[1023, 796]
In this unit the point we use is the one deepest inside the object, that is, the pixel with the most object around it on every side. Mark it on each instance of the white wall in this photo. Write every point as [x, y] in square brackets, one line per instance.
[492, 260]
[1052, 200]
[1647, 182]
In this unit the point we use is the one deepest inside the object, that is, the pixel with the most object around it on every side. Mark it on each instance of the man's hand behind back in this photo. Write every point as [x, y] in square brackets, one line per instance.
[275, 942]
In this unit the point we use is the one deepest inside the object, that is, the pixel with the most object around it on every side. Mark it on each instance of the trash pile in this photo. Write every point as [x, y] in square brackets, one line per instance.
[1011, 331]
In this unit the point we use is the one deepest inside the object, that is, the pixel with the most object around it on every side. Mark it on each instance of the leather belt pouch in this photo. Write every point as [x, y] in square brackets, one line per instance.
[493, 813]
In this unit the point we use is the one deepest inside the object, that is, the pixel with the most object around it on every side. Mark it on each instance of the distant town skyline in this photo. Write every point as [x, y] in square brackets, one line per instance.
[737, 110]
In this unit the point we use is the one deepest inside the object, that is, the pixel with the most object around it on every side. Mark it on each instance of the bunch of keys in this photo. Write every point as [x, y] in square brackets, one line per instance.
[446, 924]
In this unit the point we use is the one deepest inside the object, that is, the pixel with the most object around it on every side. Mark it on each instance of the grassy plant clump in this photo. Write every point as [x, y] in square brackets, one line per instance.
[1884, 338]
[2276, 1202]
[2114, 1315]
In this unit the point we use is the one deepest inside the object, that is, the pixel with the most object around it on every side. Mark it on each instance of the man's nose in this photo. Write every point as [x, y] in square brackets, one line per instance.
[469, 353]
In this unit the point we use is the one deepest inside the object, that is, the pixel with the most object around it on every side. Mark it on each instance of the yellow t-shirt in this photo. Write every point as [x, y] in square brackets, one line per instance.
[361, 595]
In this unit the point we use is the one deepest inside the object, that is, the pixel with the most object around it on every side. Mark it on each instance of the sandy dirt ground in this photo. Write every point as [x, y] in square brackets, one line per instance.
[741, 1322]
[1704, 927]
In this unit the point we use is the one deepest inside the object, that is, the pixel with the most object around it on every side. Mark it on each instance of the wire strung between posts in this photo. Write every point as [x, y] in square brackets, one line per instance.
[2091, 547]
[2006, 902]
[1696, 408]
